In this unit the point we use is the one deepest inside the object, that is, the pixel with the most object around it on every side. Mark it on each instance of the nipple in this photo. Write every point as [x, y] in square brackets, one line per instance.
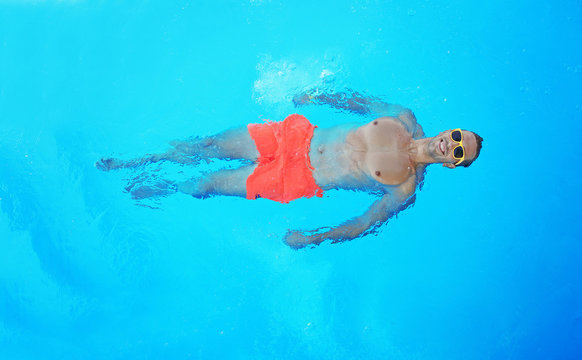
[376, 122]
[378, 173]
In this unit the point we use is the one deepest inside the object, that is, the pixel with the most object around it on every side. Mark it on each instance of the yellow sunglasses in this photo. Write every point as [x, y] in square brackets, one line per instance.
[458, 151]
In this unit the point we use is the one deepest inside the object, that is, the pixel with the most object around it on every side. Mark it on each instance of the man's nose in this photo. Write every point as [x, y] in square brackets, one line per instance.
[450, 144]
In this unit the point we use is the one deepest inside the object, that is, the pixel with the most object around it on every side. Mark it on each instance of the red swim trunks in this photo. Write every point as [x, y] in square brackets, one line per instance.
[284, 170]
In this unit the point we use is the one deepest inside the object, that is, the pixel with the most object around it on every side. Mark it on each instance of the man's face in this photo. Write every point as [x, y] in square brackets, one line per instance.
[441, 147]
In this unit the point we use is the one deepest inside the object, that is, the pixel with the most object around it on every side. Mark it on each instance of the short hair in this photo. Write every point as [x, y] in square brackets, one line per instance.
[479, 139]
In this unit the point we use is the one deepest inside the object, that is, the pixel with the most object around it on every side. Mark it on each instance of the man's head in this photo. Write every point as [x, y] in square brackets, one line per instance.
[442, 148]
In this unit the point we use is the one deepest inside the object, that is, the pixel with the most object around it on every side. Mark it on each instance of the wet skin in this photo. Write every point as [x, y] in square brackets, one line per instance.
[386, 156]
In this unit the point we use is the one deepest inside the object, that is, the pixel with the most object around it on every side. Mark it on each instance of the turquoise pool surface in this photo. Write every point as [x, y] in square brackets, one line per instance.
[486, 264]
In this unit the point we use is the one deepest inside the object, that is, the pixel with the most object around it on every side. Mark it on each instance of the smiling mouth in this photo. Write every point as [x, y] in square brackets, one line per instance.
[442, 146]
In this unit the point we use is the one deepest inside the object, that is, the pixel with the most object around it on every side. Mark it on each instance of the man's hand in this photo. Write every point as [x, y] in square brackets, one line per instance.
[381, 210]
[302, 99]
[298, 239]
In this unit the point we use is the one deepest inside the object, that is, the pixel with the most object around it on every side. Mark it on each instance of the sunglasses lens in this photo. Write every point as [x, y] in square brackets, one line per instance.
[458, 152]
[456, 136]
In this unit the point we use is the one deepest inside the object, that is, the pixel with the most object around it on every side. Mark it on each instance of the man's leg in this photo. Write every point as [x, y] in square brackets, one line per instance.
[230, 144]
[230, 182]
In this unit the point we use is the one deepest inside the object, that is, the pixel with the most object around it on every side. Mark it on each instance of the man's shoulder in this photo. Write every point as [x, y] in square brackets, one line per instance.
[407, 117]
[393, 122]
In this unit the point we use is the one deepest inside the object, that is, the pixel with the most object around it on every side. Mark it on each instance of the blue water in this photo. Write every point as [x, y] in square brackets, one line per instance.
[486, 265]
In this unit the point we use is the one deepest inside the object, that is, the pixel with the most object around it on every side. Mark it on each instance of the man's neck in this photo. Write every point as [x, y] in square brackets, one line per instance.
[419, 153]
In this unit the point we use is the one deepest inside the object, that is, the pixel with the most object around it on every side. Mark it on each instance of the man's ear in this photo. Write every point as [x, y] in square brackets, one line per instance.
[449, 165]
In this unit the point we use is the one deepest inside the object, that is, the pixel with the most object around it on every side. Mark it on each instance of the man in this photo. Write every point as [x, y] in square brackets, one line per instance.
[293, 159]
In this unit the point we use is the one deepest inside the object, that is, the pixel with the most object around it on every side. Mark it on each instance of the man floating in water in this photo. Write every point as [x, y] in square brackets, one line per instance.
[293, 158]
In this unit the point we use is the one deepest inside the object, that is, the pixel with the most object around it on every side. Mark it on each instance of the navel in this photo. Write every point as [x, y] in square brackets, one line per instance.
[378, 173]
[376, 122]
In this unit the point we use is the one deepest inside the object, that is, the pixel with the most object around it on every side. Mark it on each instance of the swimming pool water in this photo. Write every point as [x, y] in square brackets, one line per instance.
[486, 265]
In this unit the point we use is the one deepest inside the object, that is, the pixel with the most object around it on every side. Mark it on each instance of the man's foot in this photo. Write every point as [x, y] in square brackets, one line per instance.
[106, 164]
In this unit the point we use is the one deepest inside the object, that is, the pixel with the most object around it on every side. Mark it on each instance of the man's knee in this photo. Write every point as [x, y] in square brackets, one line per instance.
[198, 188]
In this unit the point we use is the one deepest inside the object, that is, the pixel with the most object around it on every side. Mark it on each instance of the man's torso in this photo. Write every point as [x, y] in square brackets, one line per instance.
[373, 156]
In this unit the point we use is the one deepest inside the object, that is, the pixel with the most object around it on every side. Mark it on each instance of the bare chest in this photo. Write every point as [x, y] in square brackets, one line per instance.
[372, 155]
[382, 151]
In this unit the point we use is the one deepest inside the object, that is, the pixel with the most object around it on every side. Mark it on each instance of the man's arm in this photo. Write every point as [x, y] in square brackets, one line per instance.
[360, 104]
[379, 213]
